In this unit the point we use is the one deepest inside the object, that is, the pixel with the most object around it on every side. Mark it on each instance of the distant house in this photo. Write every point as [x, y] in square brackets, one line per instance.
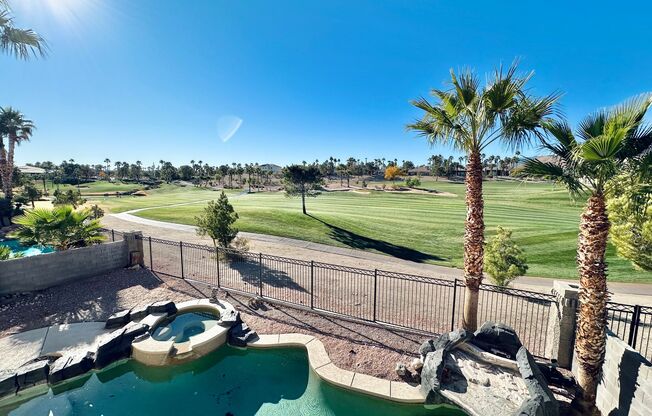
[30, 170]
[271, 168]
[422, 170]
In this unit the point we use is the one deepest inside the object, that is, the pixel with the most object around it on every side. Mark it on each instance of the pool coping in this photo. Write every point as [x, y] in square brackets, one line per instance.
[322, 365]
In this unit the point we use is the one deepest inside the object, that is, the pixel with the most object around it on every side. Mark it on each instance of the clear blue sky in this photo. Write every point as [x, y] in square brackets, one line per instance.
[156, 79]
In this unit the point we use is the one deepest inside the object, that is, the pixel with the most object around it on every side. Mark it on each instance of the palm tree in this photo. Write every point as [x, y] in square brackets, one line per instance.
[107, 162]
[470, 117]
[16, 128]
[21, 43]
[61, 227]
[605, 144]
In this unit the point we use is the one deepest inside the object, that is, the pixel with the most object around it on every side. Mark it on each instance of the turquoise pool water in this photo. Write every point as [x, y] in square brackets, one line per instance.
[180, 328]
[229, 382]
[15, 247]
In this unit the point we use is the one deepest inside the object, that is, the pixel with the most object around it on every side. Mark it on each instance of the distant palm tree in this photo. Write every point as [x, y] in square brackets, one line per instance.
[21, 43]
[606, 144]
[471, 117]
[16, 128]
[107, 162]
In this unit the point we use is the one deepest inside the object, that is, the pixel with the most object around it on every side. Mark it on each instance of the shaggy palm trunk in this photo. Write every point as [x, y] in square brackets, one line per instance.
[8, 166]
[473, 241]
[593, 296]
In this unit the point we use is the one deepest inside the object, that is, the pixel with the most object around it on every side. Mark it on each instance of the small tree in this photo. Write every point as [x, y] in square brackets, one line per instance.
[302, 181]
[69, 197]
[504, 260]
[31, 193]
[392, 172]
[217, 222]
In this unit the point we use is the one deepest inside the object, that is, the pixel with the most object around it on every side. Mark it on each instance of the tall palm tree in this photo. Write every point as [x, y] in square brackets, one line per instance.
[470, 117]
[16, 128]
[605, 144]
[21, 43]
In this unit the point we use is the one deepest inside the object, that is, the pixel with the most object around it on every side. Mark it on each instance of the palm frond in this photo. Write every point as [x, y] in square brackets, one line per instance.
[551, 171]
[526, 119]
[22, 43]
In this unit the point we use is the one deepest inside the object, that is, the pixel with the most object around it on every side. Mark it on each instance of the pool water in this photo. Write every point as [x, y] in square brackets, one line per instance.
[15, 247]
[227, 382]
[181, 327]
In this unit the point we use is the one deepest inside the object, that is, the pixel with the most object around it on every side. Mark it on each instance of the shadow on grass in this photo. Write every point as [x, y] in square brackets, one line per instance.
[361, 242]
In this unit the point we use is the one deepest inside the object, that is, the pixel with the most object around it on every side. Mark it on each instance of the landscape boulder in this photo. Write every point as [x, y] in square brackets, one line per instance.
[446, 341]
[229, 318]
[498, 339]
[71, 365]
[7, 383]
[167, 307]
[138, 313]
[541, 402]
[32, 373]
[117, 345]
[118, 319]
[240, 334]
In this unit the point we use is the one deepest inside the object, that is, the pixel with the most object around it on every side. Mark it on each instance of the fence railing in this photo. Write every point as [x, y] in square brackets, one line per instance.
[410, 302]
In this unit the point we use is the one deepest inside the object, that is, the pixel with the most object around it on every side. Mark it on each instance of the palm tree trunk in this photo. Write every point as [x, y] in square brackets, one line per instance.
[473, 241]
[8, 171]
[6, 184]
[593, 297]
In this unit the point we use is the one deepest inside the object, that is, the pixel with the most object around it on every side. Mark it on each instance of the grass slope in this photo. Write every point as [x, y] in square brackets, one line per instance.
[423, 228]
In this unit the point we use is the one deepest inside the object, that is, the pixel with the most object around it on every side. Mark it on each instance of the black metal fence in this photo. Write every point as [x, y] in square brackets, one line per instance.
[410, 302]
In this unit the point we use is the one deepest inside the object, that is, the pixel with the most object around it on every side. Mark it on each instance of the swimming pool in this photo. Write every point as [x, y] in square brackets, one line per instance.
[181, 327]
[16, 247]
[229, 381]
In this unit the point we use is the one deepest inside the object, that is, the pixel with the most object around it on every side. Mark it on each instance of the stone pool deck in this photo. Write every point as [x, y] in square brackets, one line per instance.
[19, 348]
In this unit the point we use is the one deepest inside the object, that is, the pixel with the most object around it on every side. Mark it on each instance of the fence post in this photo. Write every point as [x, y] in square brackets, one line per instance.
[454, 303]
[112, 235]
[633, 326]
[217, 257]
[151, 262]
[375, 291]
[312, 284]
[181, 252]
[260, 273]
[562, 323]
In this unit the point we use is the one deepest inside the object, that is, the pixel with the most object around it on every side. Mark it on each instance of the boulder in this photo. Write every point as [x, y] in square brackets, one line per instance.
[117, 320]
[542, 402]
[117, 345]
[163, 307]
[7, 384]
[240, 334]
[498, 339]
[32, 373]
[71, 365]
[229, 318]
[401, 369]
[138, 313]
[432, 371]
[416, 365]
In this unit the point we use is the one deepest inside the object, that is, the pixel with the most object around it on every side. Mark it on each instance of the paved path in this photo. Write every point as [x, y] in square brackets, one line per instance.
[17, 349]
[633, 293]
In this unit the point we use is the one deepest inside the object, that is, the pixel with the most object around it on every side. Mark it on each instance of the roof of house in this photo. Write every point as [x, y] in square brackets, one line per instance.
[271, 167]
[420, 169]
[31, 170]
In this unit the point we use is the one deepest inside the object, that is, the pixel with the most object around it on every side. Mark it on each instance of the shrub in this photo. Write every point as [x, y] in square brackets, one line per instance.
[392, 172]
[504, 261]
[68, 197]
[217, 222]
[413, 182]
[96, 212]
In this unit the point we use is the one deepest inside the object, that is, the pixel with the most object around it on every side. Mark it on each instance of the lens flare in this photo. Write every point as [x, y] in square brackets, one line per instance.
[227, 126]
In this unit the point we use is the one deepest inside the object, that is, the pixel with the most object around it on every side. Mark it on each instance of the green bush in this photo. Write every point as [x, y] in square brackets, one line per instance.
[504, 261]
[413, 182]
[217, 222]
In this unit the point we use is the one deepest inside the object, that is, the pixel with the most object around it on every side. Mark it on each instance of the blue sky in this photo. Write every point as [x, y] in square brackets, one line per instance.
[153, 79]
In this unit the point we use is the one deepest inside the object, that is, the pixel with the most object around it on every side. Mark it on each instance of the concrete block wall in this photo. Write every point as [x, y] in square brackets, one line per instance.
[52, 269]
[626, 384]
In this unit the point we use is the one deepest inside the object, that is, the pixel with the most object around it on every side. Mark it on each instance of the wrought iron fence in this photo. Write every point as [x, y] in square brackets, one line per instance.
[414, 303]
[632, 323]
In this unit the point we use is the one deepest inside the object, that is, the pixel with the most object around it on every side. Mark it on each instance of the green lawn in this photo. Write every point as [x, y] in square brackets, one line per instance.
[424, 228]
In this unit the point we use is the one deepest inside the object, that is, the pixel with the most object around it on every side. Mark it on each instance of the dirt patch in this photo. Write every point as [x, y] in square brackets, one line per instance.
[352, 346]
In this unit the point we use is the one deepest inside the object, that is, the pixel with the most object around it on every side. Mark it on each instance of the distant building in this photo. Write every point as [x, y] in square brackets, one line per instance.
[271, 168]
[422, 170]
[31, 170]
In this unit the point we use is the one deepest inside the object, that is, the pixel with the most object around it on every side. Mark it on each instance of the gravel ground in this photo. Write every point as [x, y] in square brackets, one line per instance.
[352, 346]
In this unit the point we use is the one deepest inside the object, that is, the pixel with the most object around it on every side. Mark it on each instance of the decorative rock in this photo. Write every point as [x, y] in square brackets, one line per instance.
[117, 345]
[498, 339]
[71, 365]
[229, 318]
[240, 334]
[426, 347]
[32, 373]
[416, 365]
[401, 370]
[138, 313]
[162, 307]
[7, 383]
[117, 320]
[431, 374]
[542, 402]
